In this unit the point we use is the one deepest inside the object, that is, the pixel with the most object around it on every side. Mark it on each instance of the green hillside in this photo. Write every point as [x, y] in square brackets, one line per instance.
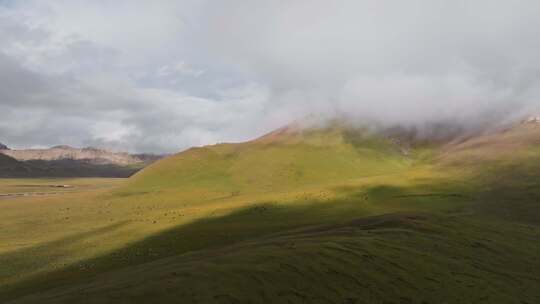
[327, 215]
[280, 161]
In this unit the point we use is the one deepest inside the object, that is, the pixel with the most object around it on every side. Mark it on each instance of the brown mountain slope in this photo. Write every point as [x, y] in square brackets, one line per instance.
[511, 143]
[66, 161]
[90, 155]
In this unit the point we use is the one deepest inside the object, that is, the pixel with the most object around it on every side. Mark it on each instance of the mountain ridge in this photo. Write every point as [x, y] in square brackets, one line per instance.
[67, 161]
[90, 155]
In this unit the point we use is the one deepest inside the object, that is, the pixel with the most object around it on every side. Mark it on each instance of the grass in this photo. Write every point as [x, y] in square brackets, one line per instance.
[32, 185]
[315, 217]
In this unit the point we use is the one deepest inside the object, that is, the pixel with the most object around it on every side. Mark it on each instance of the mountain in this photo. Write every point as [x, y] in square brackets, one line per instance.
[284, 159]
[3, 147]
[66, 161]
[513, 143]
[332, 214]
[90, 155]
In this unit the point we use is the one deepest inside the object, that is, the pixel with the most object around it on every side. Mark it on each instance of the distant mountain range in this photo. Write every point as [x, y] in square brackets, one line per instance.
[66, 161]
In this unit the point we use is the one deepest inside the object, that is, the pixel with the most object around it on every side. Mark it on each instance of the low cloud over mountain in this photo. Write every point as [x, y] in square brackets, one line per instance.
[144, 76]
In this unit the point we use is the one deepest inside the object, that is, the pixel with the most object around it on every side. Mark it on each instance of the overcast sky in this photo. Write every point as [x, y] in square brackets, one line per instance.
[161, 76]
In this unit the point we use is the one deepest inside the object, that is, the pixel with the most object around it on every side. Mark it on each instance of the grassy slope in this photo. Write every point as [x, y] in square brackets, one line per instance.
[47, 185]
[323, 216]
[268, 164]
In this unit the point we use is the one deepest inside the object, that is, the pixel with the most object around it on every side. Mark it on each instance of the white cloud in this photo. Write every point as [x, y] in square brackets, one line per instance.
[179, 69]
[166, 75]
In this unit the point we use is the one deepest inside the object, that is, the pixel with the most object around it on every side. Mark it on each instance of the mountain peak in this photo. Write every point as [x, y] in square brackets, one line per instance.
[3, 147]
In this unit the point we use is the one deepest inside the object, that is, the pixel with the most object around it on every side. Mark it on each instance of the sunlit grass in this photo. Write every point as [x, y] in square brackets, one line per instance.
[282, 221]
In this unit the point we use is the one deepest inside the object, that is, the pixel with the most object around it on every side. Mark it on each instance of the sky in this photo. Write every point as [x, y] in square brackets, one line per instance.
[161, 76]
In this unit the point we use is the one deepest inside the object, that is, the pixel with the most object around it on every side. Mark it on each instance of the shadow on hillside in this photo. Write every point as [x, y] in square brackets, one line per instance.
[64, 168]
[42, 256]
[259, 220]
[511, 191]
[267, 219]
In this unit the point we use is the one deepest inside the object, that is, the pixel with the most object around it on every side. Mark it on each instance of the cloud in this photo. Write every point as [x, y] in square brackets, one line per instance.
[165, 75]
[179, 69]
[397, 62]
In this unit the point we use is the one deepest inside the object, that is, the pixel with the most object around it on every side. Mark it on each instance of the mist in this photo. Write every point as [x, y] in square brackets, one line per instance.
[164, 76]
[391, 61]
